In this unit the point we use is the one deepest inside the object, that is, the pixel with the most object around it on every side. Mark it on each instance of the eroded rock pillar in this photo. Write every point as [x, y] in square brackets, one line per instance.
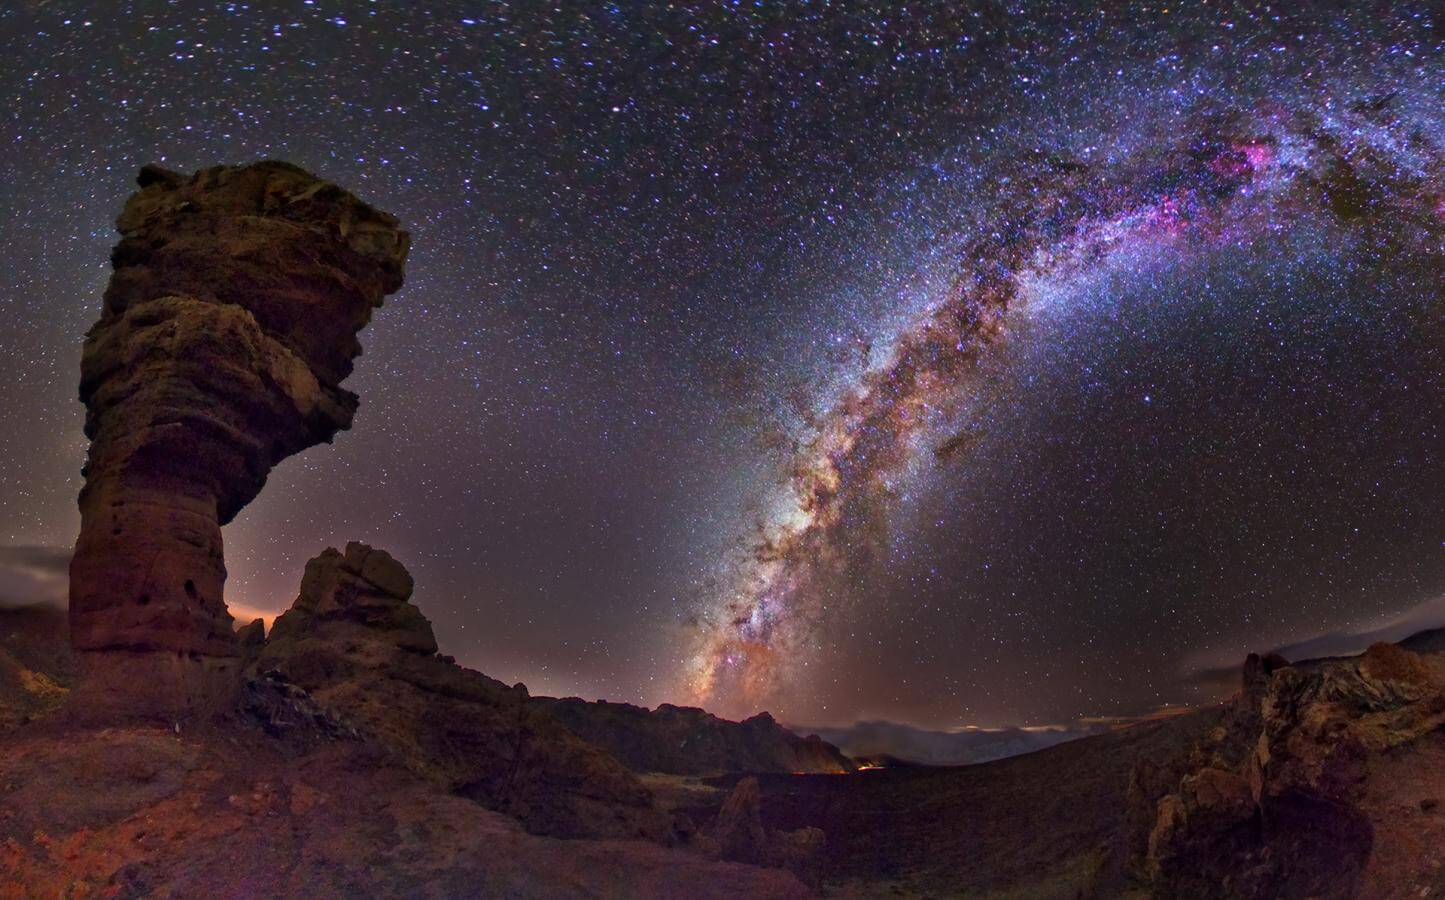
[228, 326]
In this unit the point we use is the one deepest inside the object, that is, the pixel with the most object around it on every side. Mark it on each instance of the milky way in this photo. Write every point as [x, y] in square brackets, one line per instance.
[1058, 217]
[994, 362]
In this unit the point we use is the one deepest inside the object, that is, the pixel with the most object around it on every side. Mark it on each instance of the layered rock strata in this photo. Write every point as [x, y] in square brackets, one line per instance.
[228, 326]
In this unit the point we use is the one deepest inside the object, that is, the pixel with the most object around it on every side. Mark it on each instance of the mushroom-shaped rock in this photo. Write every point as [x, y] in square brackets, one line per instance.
[228, 325]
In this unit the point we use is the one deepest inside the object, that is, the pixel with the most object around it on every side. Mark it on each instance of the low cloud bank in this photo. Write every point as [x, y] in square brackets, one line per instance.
[948, 748]
[1222, 679]
[33, 575]
[1424, 616]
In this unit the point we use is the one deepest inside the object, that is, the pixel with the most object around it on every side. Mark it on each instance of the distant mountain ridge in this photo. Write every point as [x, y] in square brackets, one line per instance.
[683, 740]
[1431, 641]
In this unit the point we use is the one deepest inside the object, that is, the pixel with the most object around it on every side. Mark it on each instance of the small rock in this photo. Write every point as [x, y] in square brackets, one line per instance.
[738, 828]
[251, 638]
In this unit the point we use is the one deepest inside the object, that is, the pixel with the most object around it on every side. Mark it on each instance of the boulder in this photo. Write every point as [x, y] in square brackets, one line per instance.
[737, 834]
[363, 594]
[251, 637]
[738, 829]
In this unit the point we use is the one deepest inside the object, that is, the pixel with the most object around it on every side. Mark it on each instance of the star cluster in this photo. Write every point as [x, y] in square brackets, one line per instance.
[987, 362]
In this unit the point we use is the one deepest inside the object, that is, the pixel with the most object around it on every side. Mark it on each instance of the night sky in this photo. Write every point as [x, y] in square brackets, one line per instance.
[962, 363]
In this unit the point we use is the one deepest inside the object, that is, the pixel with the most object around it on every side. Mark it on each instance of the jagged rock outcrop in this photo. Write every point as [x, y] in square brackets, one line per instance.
[228, 326]
[1285, 797]
[356, 645]
[682, 740]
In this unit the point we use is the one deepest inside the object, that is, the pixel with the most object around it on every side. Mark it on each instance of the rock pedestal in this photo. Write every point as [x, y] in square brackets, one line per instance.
[228, 325]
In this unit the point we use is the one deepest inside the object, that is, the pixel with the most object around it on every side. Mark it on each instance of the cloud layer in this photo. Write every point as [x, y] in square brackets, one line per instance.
[31, 575]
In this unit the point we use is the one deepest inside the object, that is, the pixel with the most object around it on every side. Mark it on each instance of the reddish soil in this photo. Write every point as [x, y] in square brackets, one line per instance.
[131, 812]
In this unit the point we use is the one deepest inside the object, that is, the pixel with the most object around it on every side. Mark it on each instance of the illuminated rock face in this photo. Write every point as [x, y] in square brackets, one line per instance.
[228, 325]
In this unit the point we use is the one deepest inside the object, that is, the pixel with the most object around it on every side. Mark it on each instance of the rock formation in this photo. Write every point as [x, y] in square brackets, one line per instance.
[737, 834]
[250, 638]
[228, 326]
[354, 642]
[1288, 795]
[738, 828]
[682, 740]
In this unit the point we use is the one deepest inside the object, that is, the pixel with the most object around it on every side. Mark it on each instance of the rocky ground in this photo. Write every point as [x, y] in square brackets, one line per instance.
[357, 761]
[231, 811]
[1322, 779]
[363, 762]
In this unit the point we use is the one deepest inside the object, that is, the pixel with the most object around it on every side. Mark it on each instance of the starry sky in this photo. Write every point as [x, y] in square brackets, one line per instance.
[954, 363]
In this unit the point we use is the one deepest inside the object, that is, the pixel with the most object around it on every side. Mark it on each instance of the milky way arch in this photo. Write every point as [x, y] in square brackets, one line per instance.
[1224, 175]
